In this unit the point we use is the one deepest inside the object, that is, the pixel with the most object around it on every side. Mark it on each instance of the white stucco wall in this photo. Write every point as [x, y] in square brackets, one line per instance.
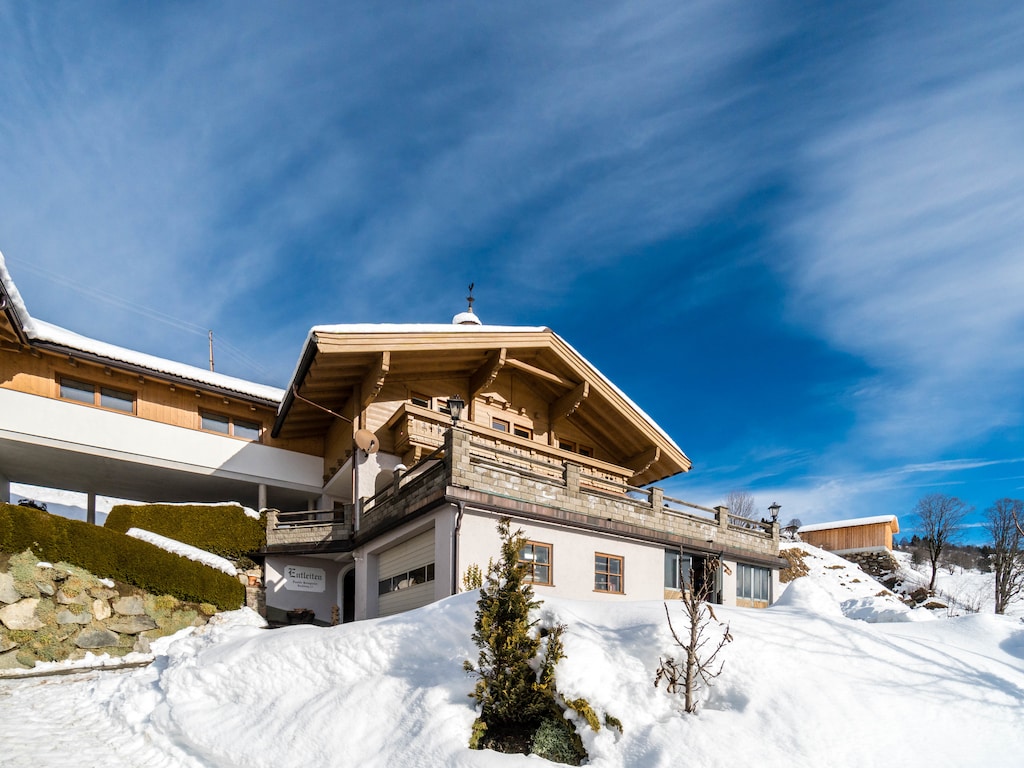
[72, 427]
[283, 594]
[572, 556]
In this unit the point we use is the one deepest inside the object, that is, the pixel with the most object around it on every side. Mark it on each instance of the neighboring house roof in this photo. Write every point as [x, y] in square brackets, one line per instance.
[337, 359]
[852, 523]
[25, 329]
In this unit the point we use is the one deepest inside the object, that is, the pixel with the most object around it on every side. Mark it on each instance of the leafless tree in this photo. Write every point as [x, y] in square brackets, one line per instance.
[1007, 558]
[702, 645]
[941, 519]
[741, 504]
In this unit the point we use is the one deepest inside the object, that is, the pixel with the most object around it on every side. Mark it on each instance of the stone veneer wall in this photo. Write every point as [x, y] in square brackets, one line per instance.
[876, 563]
[57, 612]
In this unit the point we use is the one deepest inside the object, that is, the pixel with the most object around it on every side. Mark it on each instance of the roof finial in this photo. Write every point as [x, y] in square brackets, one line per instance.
[467, 317]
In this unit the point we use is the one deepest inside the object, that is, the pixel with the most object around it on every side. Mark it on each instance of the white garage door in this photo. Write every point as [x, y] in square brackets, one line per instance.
[406, 575]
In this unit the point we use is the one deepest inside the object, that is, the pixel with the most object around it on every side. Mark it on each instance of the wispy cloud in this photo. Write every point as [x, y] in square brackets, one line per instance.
[907, 236]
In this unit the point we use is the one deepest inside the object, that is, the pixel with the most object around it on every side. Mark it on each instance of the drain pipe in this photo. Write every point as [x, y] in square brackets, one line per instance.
[455, 546]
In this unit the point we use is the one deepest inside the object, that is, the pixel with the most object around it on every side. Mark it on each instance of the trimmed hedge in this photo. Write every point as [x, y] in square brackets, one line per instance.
[110, 554]
[223, 530]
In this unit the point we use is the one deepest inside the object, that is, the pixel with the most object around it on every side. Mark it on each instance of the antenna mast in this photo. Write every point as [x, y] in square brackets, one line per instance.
[211, 350]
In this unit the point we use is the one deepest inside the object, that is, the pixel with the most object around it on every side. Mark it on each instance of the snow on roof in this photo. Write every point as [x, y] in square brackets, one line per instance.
[47, 333]
[849, 523]
[53, 334]
[424, 328]
[17, 304]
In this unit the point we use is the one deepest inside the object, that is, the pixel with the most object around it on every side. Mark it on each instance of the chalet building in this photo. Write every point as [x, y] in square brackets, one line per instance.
[848, 537]
[385, 463]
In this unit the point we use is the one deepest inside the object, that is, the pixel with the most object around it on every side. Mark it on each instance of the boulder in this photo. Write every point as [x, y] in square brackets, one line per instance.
[8, 593]
[9, 660]
[6, 644]
[131, 625]
[21, 615]
[132, 605]
[67, 617]
[102, 593]
[142, 645]
[101, 609]
[45, 588]
[96, 638]
[79, 599]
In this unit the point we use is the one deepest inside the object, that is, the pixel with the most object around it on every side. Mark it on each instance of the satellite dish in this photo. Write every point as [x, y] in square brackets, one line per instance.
[367, 441]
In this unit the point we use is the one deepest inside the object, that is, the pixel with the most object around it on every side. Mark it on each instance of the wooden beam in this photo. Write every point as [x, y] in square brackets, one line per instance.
[567, 404]
[642, 461]
[487, 373]
[538, 372]
[373, 381]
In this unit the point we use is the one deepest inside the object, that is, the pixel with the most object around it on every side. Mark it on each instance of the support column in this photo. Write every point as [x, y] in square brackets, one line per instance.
[5, 490]
[90, 507]
[262, 496]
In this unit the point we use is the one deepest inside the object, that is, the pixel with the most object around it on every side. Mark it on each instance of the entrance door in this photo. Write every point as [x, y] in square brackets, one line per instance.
[348, 596]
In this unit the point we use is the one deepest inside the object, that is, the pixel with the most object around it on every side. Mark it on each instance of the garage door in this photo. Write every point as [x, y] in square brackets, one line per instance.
[406, 575]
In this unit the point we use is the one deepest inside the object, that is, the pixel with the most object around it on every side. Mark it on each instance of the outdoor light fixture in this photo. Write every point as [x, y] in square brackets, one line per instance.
[455, 405]
[774, 509]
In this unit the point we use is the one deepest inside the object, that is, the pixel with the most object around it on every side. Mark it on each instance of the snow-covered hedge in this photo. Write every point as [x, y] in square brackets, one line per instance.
[113, 555]
[222, 529]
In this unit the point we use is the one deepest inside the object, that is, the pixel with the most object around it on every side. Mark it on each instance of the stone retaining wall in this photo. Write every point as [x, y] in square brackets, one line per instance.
[57, 612]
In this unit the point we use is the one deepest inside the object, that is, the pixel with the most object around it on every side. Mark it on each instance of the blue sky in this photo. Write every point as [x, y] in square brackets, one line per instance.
[792, 232]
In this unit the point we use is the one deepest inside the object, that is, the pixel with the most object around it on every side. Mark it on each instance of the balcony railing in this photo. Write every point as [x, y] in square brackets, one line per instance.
[506, 467]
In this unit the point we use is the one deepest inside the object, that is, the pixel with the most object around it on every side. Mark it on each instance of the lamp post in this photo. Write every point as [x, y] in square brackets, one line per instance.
[773, 509]
[455, 405]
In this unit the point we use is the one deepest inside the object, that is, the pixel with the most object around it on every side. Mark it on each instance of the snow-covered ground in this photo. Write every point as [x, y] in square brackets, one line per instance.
[803, 685]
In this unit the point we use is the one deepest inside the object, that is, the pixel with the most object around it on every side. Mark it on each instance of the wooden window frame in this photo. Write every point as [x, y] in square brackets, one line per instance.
[203, 413]
[97, 394]
[414, 396]
[585, 450]
[508, 425]
[527, 431]
[609, 574]
[530, 564]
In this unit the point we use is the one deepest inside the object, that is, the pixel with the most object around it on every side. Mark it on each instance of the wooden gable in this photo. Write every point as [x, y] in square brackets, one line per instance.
[531, 375]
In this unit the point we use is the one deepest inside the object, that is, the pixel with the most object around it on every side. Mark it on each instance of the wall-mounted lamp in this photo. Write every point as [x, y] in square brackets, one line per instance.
[455, 405]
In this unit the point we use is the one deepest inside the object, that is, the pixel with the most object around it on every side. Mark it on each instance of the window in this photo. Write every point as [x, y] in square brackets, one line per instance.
[536, 560]
[248, 430]
[92, 394]
[677, 569]
[582, 450]
[399, 581]
[607, 573]
[419, 399]
[228, 425]
[500, 424]
[519, 431]
[753, 583]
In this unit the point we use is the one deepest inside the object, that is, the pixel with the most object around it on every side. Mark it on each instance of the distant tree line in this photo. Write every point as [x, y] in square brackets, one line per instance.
[940, 518]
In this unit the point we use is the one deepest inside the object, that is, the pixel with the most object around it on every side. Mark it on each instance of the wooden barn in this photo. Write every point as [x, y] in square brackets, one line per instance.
[864, 534]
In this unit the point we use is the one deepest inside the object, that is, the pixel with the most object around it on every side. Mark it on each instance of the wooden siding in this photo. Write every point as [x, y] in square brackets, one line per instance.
[872, 536]
[39, 373]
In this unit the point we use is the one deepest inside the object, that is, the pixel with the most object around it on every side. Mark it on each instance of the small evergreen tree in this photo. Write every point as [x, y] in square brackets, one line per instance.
[515, 668]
